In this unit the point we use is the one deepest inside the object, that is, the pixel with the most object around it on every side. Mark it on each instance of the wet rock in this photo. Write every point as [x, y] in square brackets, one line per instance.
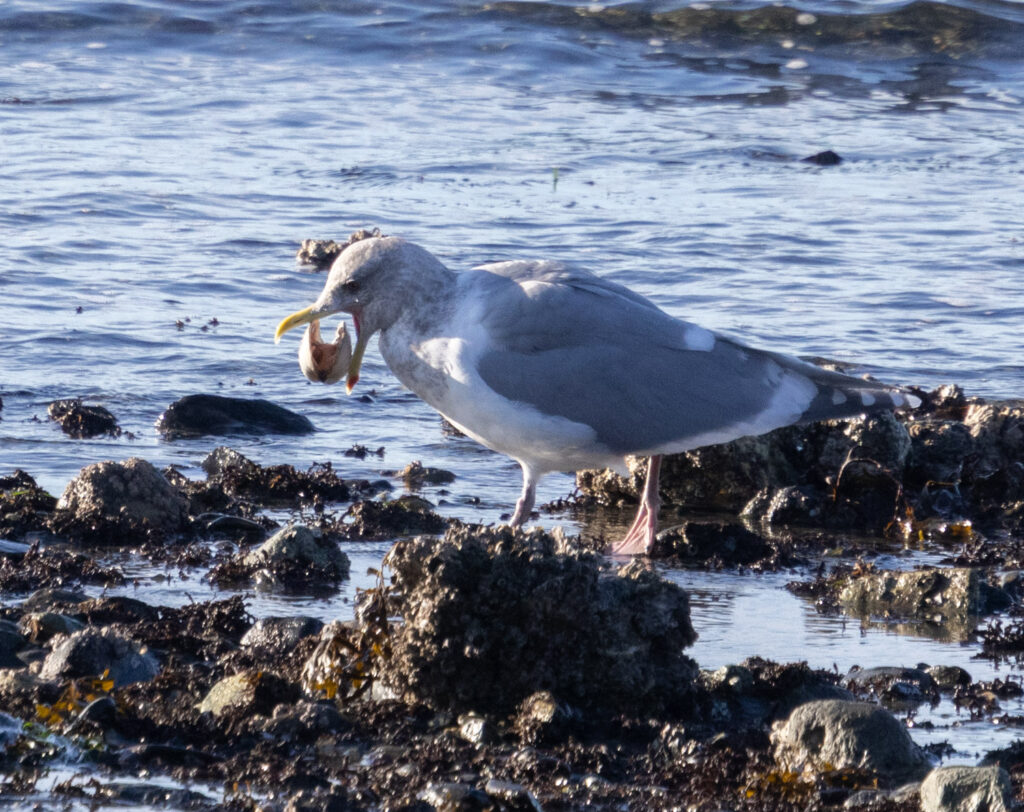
[453, 797]
[713, 544]
[115, 609]
[959, 789]
[492, 616]
[246, 694]
[416, 475]
[81, 421]
[52, 598]
[826, 158]
[304, 721]
[833, 734]
[757, 691]
[238, 528]
[273, 484]
[92, 652]
[110, 500]
[949, 677]
[278, 635]
[24, 506]
[948, 596]
[542, 719]
[40, 627]
[42, 565]
[200, 415]
[792, 505]
[392, 518]
[895, 686]
[11, 642]
[293, 556]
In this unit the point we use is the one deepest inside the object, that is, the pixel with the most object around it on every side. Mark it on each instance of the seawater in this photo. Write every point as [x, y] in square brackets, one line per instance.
[161, 161]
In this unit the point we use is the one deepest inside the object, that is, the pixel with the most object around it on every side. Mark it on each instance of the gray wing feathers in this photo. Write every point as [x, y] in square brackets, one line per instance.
[596, 353]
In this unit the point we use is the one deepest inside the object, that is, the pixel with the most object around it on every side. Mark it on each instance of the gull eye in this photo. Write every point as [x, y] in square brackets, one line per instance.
[351, 287]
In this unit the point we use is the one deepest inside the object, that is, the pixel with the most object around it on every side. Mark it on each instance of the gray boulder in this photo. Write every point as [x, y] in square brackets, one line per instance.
[967, 789]
[130, 496]
[92, 652]
[836, 734]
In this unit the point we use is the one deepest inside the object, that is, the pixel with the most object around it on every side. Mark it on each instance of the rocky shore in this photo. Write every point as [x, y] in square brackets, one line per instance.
[492, 670]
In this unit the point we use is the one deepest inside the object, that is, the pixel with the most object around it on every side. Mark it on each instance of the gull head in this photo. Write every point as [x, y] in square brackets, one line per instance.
[372, 280]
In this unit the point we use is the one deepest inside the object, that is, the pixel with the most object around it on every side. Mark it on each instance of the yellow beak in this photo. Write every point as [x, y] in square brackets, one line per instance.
[305, 316]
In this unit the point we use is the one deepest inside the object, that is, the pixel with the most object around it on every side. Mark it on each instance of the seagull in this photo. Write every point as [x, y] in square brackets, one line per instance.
[563, 370]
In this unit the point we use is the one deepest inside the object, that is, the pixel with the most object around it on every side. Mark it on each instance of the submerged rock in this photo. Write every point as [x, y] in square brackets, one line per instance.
[492, 616]
[80, 421]
[199, 415]
[834, 734]
[895, 686]
[93, 652]
[112, 499]
[416, 475]
[959, 789]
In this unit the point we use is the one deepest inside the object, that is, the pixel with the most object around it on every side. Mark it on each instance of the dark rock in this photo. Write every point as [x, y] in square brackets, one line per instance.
[11, 642]
[711, 543]
[106, 610]
[391, 519]
[491, 617]
[24, 506]
[92, 652]
[826, 158]
[834, 735]
[53, 598]
[542, 719]
[416, 475]
[948, 677]
[757, 692]
[274, 484]
[895, 686]
[42, 566]
[452, 797]
[200, 415]
[278, 635]
[304, 721]
[233, 527]
[108, 501]
[39, 627]
[81, 421]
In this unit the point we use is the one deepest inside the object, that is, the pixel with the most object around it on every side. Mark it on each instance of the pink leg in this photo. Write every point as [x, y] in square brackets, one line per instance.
[524, 507]
[640, 538]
